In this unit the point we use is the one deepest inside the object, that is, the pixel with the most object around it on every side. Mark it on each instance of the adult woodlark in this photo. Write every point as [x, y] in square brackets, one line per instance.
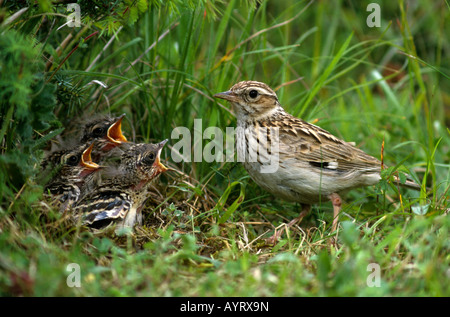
[291, 158]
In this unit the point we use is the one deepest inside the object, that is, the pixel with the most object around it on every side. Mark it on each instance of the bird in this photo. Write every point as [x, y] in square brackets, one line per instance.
[293, 159]
[120, 195]
[102, 134]
[73, 168]
[107, 132]
[102, 130]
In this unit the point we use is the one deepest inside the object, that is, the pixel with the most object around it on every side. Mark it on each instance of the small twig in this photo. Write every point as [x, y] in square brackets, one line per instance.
[152, 46]
[58, 50]
[17, 196]
[256, 239]
[68, 55]
[210, 98]
[228, 54]
[10, 19]
[118, 88]
[288, 83]
[104, 48]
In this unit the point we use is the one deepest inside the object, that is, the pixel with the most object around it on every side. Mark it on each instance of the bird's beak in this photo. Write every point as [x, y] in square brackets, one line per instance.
[115, 132]
[227, 95]
[86, 160]
[160, 166]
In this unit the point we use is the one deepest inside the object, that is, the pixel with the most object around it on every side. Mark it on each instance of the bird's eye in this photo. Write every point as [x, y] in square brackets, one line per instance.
[73, 160]
[253, 93]
[98, 132]
[149, 159]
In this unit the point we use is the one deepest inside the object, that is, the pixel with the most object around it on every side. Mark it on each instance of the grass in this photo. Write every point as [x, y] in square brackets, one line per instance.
[204, 223]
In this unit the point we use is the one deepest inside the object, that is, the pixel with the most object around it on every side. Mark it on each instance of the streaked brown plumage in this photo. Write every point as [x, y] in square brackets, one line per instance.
[312, 164]
[75, 169]
[122, 192]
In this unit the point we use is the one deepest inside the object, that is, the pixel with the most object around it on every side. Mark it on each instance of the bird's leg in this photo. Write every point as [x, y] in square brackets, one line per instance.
[274, 238]
[337, 203]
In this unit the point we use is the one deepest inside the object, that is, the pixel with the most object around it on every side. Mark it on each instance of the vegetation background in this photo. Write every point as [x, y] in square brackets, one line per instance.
[385, 88]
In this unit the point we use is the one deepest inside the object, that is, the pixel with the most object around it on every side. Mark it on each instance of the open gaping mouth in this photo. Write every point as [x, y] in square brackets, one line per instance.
[115, 132]
[160, 166]
[86, 160]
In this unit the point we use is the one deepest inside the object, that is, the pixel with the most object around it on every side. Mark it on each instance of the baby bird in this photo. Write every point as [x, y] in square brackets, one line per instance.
[75, 169]
[106, 132]
[121, 194]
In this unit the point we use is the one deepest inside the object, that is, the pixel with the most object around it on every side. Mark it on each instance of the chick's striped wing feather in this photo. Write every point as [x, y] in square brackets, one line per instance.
[112, 205]
[64, 191]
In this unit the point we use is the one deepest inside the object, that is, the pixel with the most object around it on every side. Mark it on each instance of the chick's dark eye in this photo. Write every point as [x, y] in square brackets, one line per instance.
[253, 93]
[149, 159]
[73, 160]
[98, 132]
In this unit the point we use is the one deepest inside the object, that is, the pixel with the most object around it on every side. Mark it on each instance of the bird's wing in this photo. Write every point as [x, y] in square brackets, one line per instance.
[306, 142]
[63, 192]
[104, 205]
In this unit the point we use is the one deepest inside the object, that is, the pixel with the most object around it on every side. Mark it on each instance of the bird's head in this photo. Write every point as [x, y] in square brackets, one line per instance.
[77, 163]
[106, 130]
[143, 160]
[251, 100]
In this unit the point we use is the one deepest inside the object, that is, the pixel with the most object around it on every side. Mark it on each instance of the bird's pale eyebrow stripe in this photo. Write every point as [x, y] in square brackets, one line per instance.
[261, 90]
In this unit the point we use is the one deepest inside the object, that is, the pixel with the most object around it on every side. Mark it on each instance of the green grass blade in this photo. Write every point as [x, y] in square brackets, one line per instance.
[223, 199]
[326, 73]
